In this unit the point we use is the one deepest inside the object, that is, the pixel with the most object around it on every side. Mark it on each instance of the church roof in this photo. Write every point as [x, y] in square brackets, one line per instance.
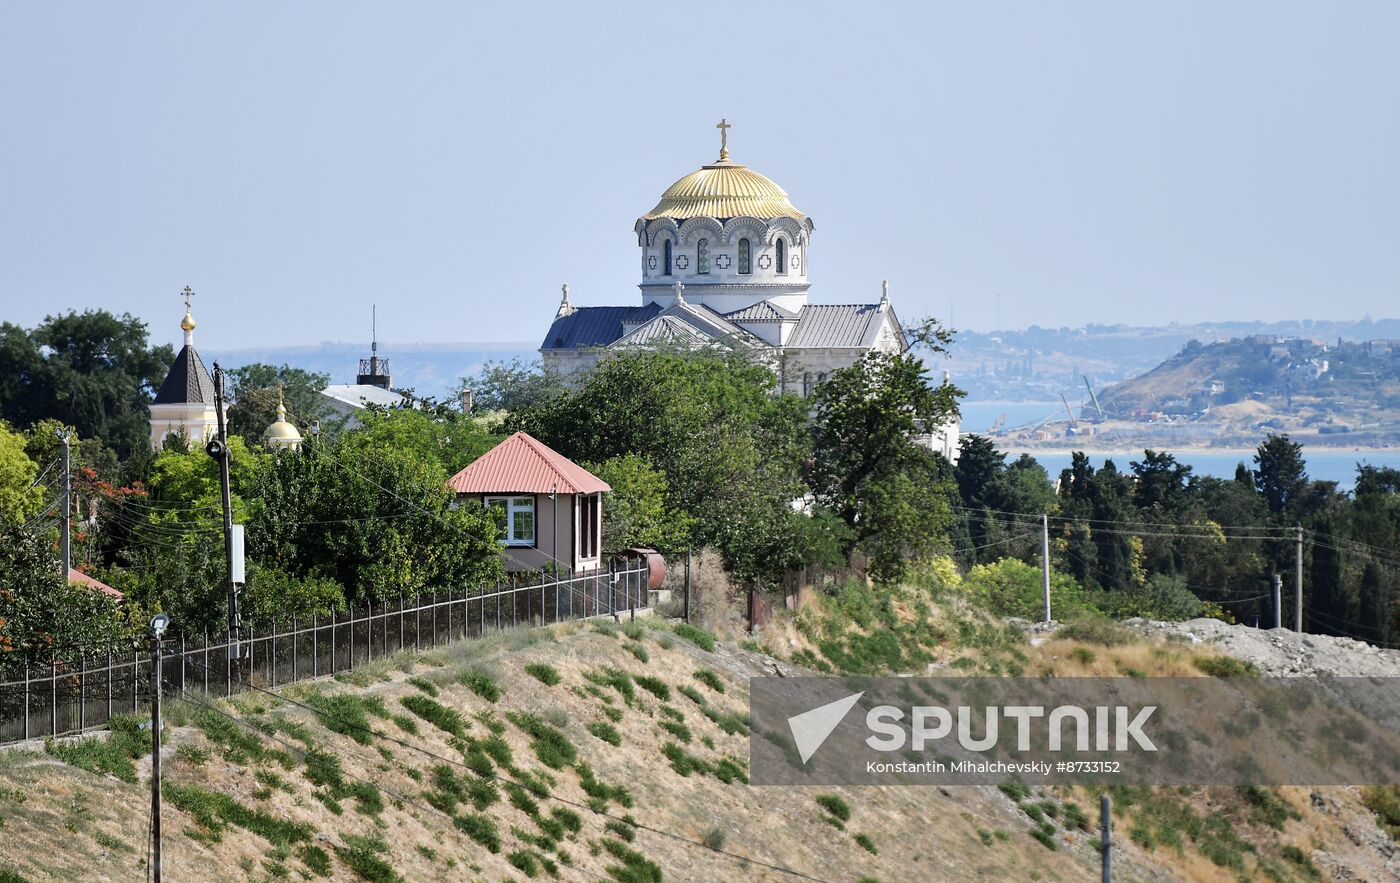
[839, 326]
[522, 464]
[594, 326]
[188, 381]
[724, 189]
[686, 323]
[763, 311]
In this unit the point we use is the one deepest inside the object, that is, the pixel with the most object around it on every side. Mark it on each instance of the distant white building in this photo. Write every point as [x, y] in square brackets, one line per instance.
[724, 260]
[371, 388]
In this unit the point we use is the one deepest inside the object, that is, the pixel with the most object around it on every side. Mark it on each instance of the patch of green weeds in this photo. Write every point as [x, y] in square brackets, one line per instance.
[449, 720]
[215, 811]
[1227, 667]
[865, 843]
[482, 684]
[425, 685]
[635, 867]
[544, 673]
[605, 731]
[363, 854]
[640, 652]
[697, 636]
[481, 829]
[551, 746]
[835, 806]
[709, 679]
[316, 859]
[677, 729]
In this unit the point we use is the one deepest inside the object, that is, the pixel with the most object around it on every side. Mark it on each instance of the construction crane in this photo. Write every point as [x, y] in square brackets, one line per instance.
[1072, 424]
[1093, 398]
[997, 425]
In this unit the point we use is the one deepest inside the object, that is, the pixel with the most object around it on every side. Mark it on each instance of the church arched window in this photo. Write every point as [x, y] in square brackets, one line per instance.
[666, 258]
[702, 256]
[745, 257]
[780, 255]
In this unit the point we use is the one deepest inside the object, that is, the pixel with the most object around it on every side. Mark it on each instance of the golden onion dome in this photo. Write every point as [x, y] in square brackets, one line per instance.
[282, 431]
[187, 323]
[724, 189]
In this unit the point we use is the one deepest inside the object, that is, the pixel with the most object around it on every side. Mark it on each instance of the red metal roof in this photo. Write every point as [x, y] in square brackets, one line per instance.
[525, 465]
[77, 576]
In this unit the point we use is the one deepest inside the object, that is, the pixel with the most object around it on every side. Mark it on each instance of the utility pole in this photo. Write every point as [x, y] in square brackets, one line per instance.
[1045, 560]
[158, 626]
[65, 518]
[1298, 576]
[218, 449]
[1278, 601]
[1106, 836]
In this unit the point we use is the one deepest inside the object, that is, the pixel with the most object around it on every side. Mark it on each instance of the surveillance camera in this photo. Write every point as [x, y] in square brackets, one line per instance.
[159, 623]
[214, 448]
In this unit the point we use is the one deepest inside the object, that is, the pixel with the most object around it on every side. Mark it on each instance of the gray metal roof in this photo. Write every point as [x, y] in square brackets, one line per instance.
[187, 382]
[594, 326]
[763, 311]
[360, 395]
[835, 325]
[689, 323]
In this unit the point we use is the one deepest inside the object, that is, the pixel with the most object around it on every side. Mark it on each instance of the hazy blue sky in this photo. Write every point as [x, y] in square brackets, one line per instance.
[1073, 162]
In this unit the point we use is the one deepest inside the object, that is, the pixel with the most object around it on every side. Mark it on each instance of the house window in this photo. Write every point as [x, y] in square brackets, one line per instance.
[666, 258]
[702, 256]
[745, 257]
[516, 519]
[781, 254]
[588, 526]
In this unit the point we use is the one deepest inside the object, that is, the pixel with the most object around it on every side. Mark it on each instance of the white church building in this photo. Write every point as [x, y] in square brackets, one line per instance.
[724, 259]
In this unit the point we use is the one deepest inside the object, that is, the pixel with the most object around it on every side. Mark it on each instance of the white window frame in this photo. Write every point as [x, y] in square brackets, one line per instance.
[512, 505]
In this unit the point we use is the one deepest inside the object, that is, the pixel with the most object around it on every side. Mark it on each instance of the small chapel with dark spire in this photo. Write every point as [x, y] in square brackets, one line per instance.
[184, 405]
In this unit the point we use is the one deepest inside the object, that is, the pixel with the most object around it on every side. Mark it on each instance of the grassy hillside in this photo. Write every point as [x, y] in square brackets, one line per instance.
[620, 753]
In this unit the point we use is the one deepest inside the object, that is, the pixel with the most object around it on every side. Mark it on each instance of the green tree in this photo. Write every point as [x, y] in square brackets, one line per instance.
[255, 390]
[42, 616]
[92, 370]
[730, 446]
[511, 386]
[1280, 474]
[868, 469]
[20, 496]
[635, 512]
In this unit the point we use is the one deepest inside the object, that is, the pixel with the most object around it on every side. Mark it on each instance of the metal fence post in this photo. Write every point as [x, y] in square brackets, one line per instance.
[400, 622]
[333, 654]
[435, 631]
[206, 662]
[109, 683]
[272, 654]
[82, 692]
[26, 698]
[295, 635]
[351, 666]
[53, 695]
[315, 633]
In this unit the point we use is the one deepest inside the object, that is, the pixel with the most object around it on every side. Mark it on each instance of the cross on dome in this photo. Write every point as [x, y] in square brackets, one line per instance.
[187, 323]
[724, 126]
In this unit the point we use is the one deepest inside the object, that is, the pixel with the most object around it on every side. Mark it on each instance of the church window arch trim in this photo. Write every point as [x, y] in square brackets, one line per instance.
[745, 257]
[780, 255]
[666, 257]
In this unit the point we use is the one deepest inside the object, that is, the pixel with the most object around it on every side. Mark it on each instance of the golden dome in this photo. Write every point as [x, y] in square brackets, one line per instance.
[282, 433]
[187, 323]
[724, 189]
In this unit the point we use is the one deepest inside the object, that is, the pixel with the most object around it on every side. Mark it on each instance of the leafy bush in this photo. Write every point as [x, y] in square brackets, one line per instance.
[544, 673]
[551, 746]
[1011, 587]
[215, 811]
[837, 807]
[677, 729]
[1384, 801]
[1096, 630]
[1227, 667]
[343, 713]
[709, 679]
[699, 637]
[449, 720]
[482, 684]
[640, 652]
[654, 686]
[867, 844]
[479, 828]
[1164, 597]
[361, 854]
[714, 838]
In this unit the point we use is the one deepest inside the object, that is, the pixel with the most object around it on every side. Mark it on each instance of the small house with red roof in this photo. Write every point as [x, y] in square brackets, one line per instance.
[551, 508]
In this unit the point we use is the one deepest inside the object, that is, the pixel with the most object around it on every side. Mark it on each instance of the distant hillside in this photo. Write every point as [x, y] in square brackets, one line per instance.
[428, 369]
[1342, 385]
